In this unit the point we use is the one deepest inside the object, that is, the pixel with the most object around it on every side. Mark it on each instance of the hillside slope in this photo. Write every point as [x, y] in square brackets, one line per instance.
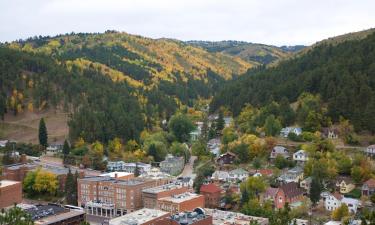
[111, 84]
[250, 52]
[342, 74]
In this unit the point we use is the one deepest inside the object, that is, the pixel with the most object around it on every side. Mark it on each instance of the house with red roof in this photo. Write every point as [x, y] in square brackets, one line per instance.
[212, 195]
[368, 188]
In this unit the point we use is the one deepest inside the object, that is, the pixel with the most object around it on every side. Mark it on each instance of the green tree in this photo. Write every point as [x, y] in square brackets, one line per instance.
[70, 189]
[220, 123]
[315, 190]
[229, 135]
[43, 135]
[15, 216]
[281, 162]
[66, 151]
[28, 182]
[272, 126]
[181, 126]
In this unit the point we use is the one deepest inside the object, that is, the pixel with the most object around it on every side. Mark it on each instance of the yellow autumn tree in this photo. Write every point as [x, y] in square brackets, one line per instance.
[340, 213]
[115, 148]
[45, 182]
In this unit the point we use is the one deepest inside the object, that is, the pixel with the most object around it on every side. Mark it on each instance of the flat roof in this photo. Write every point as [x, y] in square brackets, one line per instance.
[162, 188]
[59, 217]
[5, 183]
[113, 174]
[138, 217]
[130, 182]
[181, 197]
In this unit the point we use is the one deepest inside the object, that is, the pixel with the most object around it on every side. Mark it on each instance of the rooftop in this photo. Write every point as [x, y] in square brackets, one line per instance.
[187, 218]
[5, 183]
[162, 188]
[138, 217]
[60, 217]
[181, 197]
[220, 217]
[113, 180]
[113, 174]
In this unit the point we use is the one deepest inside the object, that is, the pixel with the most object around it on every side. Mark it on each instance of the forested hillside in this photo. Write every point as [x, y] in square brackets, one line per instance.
[343, 75]
[113, 84]
[251, 52]
[101, 109]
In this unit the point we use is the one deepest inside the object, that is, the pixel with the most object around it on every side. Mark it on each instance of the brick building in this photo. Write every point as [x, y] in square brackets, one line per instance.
[182, 202]
[288, 193]
[212, 195]
[151, 195]
[110, 196]
[10, 193]
[17, 172]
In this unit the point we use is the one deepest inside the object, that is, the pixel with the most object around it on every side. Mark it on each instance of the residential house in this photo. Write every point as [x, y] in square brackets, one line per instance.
[195, 134]
[300, 156]
[212, 195]
[286, 130]
[226, 158]
[172, 165]
[220, 175]
[352, 204]
[288, 193]
[213, 146]
[330, 133]
[238, 175]
[292, 175]
[306, 184]
[370, 150]
[368, 187]
[333, 201]
[279, 150]
[344, 185]
[227, 121]
[263, 173]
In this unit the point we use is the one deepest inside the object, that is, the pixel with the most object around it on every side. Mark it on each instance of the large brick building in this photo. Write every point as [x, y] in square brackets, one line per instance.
[10, 193]
[182, 202]
[212, 195]
[288, 193]
[17, 172]
[112, 196]
[151, 195]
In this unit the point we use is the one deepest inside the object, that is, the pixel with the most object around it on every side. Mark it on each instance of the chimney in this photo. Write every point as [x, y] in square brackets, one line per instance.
[116, 176]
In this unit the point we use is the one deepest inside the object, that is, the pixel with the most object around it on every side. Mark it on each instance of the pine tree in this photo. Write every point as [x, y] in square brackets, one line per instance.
[315, 190]
[43, 135]
[69, 185]
[66, 151]
[220, 123]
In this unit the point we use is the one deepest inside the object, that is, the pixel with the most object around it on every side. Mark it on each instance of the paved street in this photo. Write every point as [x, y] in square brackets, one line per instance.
[188, 170]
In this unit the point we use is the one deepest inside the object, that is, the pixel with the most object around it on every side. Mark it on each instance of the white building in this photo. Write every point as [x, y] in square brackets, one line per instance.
[238, 175]
[332, 201]
[300, 156]
[286, 130]
[128, 167]
[220, 175]
[370, 150]
[352, 204]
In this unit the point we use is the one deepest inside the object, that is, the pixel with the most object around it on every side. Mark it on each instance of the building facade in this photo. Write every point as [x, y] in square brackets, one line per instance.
[172, 165]
[182, 202]
[10, 193]
[108, 196]
[150, 196]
